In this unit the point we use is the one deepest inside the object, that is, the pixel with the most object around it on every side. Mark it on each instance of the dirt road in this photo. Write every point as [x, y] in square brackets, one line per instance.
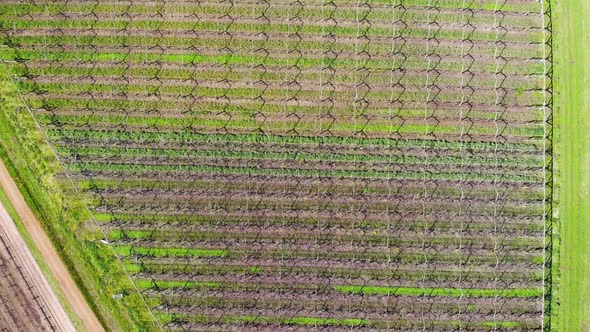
[49, 253]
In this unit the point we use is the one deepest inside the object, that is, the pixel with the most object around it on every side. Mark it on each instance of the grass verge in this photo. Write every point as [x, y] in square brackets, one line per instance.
[572, 69]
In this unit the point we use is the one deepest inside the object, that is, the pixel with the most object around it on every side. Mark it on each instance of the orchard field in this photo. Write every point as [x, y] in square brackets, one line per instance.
[310, 164]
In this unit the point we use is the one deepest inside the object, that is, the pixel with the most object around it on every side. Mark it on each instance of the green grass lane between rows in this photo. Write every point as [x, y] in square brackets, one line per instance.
[371, 290]
[170, 252]
[445, 292]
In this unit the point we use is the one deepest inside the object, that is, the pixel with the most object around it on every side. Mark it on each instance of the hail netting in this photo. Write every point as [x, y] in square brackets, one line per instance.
[280, 164]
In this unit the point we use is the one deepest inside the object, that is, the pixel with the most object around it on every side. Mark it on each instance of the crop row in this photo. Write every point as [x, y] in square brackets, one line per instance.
[391, 189]
[269, 149]
[187, 139]
[184, 55]
[311, 273]
[260, 274]
[466, 225]
[311, 9]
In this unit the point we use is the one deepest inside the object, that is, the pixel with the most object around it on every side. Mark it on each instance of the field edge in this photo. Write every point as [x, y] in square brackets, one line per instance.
[572, 213]
[34, 168]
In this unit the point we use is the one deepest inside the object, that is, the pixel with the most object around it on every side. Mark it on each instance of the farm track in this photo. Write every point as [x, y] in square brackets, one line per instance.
[246, 159]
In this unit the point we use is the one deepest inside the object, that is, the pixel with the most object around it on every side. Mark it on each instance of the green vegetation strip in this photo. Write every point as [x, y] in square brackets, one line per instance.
[167, 252]
[145, 284]
[275, 94]
[99, 183]
[175, 73]
[247, 60]
[506, 325]
[447, 292]
[415, 257]
[572, 70]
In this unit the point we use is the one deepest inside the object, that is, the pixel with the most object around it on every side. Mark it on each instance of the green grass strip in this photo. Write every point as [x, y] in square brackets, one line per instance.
[506, 325]
[572, 280]
[170, 252]
[145, 284]
[302, 321]
[447, 292]
[324, 321]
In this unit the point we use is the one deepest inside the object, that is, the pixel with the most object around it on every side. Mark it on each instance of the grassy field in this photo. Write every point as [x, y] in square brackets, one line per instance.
[572, 55]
